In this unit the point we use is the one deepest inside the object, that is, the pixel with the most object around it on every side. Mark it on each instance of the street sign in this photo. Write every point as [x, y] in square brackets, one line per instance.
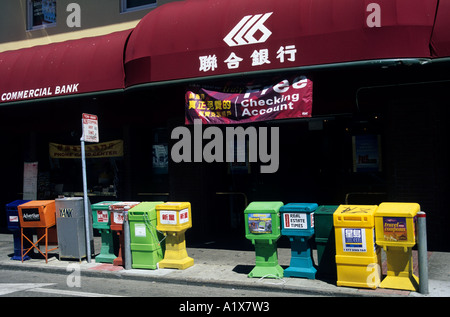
[90, 128]
[89, 124]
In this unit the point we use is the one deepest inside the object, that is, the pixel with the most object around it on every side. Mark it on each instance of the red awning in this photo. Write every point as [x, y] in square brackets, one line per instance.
[198, 38]
[73, 67]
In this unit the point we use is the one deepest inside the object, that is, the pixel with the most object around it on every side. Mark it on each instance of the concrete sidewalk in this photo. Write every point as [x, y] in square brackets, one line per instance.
[226, 268]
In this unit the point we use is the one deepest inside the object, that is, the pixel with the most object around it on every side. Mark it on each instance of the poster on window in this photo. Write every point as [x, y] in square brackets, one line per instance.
[160, 163]
[30, 175]
[366, 153]
[288, 98]
[44, 12]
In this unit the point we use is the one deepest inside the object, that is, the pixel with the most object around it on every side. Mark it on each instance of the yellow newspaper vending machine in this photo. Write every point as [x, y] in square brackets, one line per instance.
[174, 218]
[395, 232]
[358, 259]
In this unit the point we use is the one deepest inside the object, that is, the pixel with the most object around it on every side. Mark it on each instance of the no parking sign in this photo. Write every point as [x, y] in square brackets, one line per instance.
[90, 128]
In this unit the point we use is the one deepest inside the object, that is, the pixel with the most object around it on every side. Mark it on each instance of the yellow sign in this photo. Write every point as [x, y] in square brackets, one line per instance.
[99, 150]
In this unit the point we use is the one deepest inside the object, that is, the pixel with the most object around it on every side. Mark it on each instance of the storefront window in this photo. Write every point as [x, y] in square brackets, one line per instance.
[103, 162]
[41, 13]
[131, 5]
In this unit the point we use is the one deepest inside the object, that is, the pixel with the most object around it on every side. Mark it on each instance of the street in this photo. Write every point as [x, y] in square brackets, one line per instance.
[18, 283]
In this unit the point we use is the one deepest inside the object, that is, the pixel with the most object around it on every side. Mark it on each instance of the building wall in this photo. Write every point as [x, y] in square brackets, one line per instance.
[98, 17]
[418, 150]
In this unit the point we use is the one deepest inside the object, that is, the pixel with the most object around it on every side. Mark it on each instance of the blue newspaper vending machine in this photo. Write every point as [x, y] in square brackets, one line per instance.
[13, 223]
[297, 223]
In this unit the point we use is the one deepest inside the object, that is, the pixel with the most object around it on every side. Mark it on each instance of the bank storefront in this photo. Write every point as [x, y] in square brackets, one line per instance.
[349, 103]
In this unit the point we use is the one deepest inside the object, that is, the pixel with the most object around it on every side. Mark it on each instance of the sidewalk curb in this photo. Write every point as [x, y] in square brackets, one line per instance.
[251, 284]
[225, 268]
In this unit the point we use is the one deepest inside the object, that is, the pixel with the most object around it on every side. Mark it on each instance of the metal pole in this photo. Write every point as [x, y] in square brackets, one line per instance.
[126, 240]
[86, 207]
[422, 251]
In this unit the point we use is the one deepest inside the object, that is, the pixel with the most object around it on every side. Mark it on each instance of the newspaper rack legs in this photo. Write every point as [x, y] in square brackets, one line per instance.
[36, 245]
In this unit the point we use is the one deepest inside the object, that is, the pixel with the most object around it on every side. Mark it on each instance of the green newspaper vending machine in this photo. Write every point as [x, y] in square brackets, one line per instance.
[262, 227]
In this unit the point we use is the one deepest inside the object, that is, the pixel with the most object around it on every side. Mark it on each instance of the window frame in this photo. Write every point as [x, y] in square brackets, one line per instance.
[29, 18]
[125, 9]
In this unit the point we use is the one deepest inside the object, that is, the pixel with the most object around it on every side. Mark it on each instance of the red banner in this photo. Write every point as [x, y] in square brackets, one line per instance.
[289, 98]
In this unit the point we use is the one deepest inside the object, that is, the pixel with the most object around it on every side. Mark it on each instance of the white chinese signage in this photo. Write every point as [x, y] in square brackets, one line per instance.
[259, 57]
[249, 30]
[167, 217]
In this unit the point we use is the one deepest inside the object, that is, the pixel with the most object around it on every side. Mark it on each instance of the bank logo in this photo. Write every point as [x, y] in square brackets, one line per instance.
[244, 32]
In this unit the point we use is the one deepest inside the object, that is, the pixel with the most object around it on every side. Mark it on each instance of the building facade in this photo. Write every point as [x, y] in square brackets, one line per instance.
[376, 130]
[27, 23]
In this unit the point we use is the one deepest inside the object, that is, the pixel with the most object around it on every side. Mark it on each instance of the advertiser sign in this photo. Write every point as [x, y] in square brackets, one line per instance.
[395, 229]
[31, 214]
[354, 240]
[289, 98]
[297, 220]
[260, 223]
[102, 216]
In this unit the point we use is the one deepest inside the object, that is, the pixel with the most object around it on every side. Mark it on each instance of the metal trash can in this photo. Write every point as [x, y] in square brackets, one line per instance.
[70, 221]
